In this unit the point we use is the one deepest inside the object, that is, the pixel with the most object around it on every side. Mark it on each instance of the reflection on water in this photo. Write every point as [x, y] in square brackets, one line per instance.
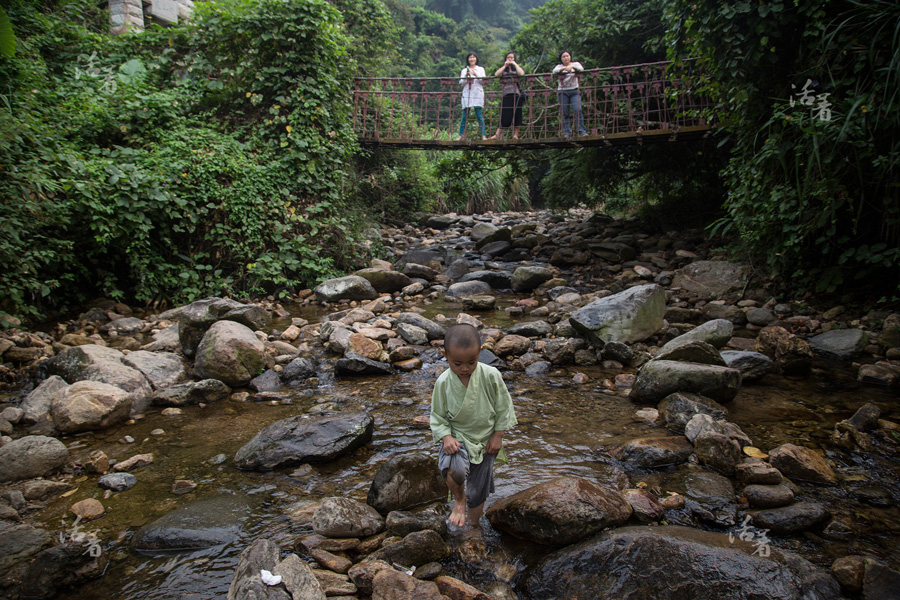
[564, 429]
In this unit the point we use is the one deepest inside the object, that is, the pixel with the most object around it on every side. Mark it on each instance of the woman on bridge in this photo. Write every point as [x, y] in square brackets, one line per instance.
[511, 104]
[568, 92]
[473, 93]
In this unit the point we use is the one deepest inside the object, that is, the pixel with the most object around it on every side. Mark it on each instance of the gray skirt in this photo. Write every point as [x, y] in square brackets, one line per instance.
[478, 479]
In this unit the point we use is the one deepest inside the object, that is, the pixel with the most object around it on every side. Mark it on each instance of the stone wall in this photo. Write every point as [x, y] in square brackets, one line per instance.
[132, 15]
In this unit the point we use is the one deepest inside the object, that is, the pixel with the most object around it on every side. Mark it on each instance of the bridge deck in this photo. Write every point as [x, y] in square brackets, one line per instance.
[632, 104]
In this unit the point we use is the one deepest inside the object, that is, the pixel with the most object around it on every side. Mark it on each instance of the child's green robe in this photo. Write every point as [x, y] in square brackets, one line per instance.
[471, 414]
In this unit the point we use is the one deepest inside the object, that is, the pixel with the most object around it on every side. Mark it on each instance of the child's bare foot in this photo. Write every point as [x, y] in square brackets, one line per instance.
[458, 514]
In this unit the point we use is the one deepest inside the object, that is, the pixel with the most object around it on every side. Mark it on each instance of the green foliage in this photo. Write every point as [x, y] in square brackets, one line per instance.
[812, 191]
[393, 184]
[7, 36]
[196, 160]
[476, 182]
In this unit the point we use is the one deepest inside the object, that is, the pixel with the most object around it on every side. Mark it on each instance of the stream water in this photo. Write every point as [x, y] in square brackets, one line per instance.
[564, 429]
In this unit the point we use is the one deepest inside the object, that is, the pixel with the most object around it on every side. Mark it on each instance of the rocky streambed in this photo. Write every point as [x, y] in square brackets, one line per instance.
[682, 432]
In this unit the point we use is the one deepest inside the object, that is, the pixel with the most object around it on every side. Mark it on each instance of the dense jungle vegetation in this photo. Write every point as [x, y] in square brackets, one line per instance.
[216, 157]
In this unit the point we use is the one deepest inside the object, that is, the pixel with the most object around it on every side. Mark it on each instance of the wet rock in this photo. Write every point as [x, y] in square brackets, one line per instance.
[97, 462]
[345, 517]
[692, 351]
[559, 351]
[196, 318]
[87, 509]
[384, 281]
[329, 561]
[298, 579]
[19, 542]
[417, 548]
[675, 562]
[89, 405]
[162, 369]
[201, 524]
[495, 279]
[412, 334]
[194, 392]
[752, 365]
[67, 565]
[403, 523]
[31, 456]
[717, 333]
[117, 482]
[464, 289]
[618, 351]
[459, 590]
[267, 381]
[406, 481]
[435, 331]
[755, 471]
[389, 584]
[849, 572]
[231, 353]
[840, 343]
[103, 365]
[37, 404]
[649, 453]
[135, 462]
[801, 463]
[560, 511]
[710, 498]
[183, 486]
[790, 354]
[512, 345]
[531, 329]
[415, 271]
[629, 316]
[768, 496]
[489, 358]
[525, 279]
[794, 518]
[718, 451]
[679, 408]
[880, 581]
[851, 433]
[351, 287]
[246, 583]
[881, 373]
[874, 495]
[481, 231]
[479, 303]
[298, 369]
[712, 279]
[865, 418]
[539, 368]
[659, 378]
[296, 440]
[457, 269]
[645, 506]
[363, 573]
[357, 365]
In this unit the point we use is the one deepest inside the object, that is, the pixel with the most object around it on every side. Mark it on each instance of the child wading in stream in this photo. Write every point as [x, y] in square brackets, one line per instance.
[471, 410]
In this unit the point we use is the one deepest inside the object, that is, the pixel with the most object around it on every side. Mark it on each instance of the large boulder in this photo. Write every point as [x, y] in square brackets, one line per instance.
[201, 524]
[716, 333]
[694, 351]
[355, 364]
[305, 440]
[840, 343]
[195, 318]
[434, 331]
[346, 518]
[417, 548]
[405, 481]
[390, 584]
[790, 354]
[679, 408]
[650, 453]
[716, 279]
[659, 378]
[19, 542]
[36, 405]
[794, 518]
[467, 289]
[162, 369]
[384, 281]
[495, 279]
[89, 405]
[629, 316]
[525, 279]
[64, 566]
[752, 365]
[351, 287]
[31, 456]
[634, 563]
[802, 463]
[560, 512]
[710, 498]
[105, 365]
[231, 353]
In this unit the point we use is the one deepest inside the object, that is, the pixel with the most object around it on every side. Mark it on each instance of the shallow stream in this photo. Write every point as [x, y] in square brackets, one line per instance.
[564, 429]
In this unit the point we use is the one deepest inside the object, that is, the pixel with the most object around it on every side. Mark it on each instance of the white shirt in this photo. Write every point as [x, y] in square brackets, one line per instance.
[568, 81]
[472, 95]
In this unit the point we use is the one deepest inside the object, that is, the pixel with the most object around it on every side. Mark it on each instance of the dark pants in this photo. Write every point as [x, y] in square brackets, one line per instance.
[510, 111]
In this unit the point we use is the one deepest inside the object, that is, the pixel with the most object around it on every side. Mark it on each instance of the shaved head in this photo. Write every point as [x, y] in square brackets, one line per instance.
[461, 337]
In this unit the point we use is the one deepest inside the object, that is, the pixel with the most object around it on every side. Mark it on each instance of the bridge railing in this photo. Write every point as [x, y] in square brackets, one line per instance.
[616, 101]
